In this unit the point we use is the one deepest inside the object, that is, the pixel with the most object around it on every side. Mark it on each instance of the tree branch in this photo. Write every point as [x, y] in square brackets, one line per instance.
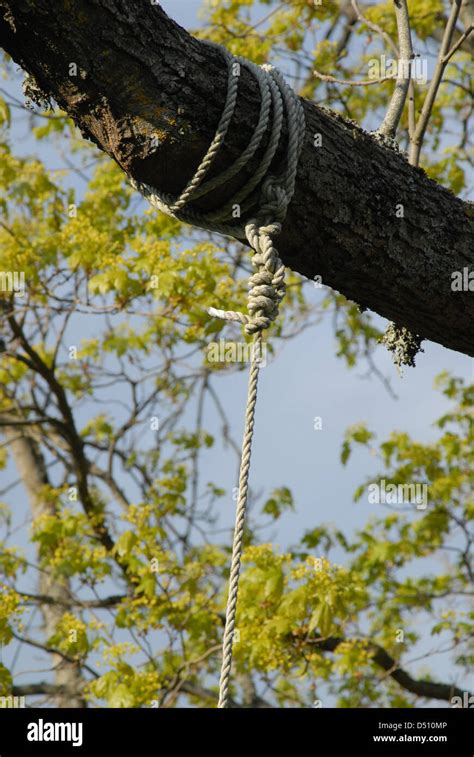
[52, 650]
[420, 687]
[405, 57]
[443, 58]
[141, 78]
[458, 44]
[111, 601]
[35, 689]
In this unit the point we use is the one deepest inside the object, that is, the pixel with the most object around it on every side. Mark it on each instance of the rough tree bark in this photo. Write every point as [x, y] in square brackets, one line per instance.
[68, 680]
[139, 75]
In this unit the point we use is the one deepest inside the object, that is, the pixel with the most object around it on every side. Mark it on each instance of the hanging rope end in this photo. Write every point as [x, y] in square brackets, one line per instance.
[228, 315]
[214, 312]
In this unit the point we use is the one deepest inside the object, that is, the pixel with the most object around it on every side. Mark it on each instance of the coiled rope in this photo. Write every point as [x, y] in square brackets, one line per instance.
[264, 200]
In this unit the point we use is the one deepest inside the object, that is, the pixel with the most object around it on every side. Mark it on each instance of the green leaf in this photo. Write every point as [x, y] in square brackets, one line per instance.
[321, 619]
[125, 543]
[274, 585]
[121, 697]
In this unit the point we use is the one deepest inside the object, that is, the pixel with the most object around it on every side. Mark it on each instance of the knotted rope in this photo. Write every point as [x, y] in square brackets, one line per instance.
[264, 200]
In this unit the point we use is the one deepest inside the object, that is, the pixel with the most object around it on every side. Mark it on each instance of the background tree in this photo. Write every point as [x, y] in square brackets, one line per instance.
[120, 580]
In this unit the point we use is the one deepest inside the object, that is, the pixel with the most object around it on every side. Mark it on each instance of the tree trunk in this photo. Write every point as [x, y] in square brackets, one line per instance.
[31, 467]
[362, 218]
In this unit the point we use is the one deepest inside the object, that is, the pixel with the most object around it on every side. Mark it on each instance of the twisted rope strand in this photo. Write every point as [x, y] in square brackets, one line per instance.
[270, 196]
[217, 142]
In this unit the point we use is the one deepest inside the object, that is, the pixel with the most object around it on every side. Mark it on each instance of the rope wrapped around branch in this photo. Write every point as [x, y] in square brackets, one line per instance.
[263, 200]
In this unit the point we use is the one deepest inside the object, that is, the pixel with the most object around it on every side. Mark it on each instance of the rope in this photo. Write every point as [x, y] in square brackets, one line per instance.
[264, 200]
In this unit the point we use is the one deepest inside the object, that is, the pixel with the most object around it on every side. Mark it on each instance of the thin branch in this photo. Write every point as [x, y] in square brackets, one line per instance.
[443, 58]
[52, 650]
[405, 56]
[374, 27]
[458, 44]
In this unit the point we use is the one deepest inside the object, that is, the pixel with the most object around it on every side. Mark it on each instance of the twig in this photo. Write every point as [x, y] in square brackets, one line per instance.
[352, 82]
[375, 27]
[458, 44]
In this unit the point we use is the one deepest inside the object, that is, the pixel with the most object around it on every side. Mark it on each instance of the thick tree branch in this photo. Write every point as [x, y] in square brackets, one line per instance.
[130, 76]
[42, 688]
[419, 687]
[111, 601]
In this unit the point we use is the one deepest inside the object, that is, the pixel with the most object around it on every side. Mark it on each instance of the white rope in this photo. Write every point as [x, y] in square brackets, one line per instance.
[264, 200]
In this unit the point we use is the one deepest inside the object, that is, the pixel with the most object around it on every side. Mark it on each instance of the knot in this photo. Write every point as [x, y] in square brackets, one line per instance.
[267, 284]
[275, 199]
[265, 196]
